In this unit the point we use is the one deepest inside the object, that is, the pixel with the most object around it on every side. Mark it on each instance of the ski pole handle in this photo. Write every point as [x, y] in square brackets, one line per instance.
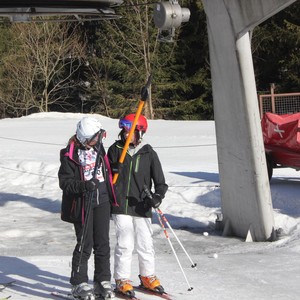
[147, 192]
[144, 97]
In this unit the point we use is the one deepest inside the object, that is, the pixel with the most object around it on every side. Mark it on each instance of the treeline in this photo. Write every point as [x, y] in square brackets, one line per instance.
[100, 66]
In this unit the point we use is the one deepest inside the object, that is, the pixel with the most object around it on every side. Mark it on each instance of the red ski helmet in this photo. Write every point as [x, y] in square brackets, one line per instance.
[127, 122]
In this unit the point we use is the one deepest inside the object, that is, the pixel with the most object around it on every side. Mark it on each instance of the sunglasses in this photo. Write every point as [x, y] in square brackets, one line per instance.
[95, 137]
[127, 125]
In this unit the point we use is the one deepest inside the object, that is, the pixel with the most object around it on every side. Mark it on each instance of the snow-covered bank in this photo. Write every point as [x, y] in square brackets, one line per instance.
[36, 247]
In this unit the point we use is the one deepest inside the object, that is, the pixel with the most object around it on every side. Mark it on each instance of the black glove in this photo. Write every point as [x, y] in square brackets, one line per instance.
[116, 167]
[155, 200]
[91, 185]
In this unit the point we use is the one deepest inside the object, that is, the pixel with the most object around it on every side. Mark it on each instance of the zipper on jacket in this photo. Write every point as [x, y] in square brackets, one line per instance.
[137, 163]
[98, 195]
[102, 167]
[83, 197]
[128, 186]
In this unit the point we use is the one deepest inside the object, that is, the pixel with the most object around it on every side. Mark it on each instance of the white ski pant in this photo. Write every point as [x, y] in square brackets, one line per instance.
[131, 230]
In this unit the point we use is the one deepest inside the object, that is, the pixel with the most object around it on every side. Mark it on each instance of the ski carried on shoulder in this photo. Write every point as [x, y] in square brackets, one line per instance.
[160, 294]
[5, 285]
[69, 296]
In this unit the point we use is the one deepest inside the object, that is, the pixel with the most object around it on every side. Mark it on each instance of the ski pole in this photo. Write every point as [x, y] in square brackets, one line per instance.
[168, 224]
[174, 252]
[194, 265]
[91, 195]
[144, 96]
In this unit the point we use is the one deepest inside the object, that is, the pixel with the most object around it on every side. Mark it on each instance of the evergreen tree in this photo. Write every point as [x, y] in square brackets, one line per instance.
[127, 52]
[5, 38]
[276, 44]
[121, 55]
[189, 87]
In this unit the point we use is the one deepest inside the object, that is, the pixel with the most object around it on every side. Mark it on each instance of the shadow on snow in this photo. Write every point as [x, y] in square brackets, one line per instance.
[44, 204]
[39, 278]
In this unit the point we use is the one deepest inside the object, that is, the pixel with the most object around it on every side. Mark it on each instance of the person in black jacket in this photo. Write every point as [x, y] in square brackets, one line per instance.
[132, 217]
[83, 188]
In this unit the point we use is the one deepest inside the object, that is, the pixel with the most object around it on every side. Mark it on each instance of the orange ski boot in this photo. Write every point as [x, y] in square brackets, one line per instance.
[151, 283]
[124, 286]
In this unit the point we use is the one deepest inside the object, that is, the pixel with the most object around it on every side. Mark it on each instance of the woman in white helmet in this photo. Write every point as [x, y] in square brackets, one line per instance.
[80, 185]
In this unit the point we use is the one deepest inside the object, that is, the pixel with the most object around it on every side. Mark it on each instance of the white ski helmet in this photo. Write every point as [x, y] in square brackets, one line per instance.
[87, 127]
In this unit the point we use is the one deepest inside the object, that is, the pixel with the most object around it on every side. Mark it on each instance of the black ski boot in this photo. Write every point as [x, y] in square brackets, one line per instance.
[103, 290]
[83, 291]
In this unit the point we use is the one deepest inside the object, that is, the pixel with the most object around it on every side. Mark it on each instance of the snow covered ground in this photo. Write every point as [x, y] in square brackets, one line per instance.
[36, 247]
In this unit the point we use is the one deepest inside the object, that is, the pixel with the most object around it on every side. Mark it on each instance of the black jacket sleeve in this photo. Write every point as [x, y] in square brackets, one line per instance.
[157, 175]
[69, 176]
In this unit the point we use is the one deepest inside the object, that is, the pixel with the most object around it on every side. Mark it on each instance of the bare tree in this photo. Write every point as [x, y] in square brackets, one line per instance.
[40, 67]
[98, 72]
[134, 41]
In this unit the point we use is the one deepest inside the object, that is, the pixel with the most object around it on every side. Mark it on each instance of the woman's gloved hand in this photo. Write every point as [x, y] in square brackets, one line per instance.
[92, 184]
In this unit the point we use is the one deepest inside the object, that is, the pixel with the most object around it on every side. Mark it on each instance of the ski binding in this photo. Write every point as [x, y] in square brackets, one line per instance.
[69, 296]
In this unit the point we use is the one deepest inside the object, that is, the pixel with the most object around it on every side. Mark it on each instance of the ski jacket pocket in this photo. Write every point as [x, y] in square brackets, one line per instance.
[71, 210]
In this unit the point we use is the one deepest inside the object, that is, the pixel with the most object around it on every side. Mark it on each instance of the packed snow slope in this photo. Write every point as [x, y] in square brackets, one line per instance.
[36, 246]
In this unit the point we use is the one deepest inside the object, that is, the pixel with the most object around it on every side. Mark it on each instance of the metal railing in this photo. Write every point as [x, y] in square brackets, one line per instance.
[287, 103]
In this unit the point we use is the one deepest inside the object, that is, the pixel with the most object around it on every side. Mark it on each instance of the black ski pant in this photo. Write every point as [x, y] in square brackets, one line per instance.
[97, 238]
